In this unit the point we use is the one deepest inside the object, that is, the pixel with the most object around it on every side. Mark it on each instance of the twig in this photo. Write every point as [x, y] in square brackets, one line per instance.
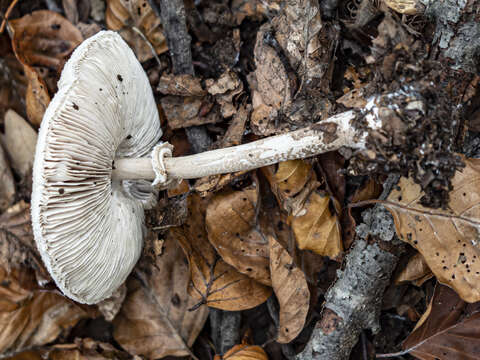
[139, 32]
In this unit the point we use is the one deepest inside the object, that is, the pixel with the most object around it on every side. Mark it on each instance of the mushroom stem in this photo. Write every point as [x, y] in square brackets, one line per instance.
[324, 136]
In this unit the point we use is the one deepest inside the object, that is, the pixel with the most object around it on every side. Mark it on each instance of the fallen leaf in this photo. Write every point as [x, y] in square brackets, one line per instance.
[19, 142]
[125, 15]
[31, 318]
[13, 82]
[233, 229]
[407, 7]
[181, 85]
[36, 98]
[448, 329]
[291, 289]
[447, 239]
[225, 89]
[44, 38]
[214, 282]
[416, 271]
[244, 352]
[76, 10]
[292, 182]
[154, 320]
[17, 246]
[316, 228]
[182, 112]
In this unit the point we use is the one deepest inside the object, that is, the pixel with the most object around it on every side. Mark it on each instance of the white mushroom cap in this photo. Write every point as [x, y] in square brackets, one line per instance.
[88, 229]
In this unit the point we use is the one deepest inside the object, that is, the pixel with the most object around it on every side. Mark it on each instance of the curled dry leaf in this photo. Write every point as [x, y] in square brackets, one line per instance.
[447, 239]
[291, 182]
[316, 228]
[188, 111]
[214, 282]
[44, 38]
[30, 317]
[291, 289]
[233, 229]
[416, 271]
[225, 89]
[154, 320]
[36, 98]
[447, 330]
[125, 15]
[244, 352]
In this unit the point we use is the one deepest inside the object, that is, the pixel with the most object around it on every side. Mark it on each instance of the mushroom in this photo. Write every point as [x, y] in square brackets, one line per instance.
[95, 144]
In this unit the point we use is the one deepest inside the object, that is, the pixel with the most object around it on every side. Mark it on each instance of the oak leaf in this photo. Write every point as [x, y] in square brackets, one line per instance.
[447, 330]
[214, 282]
[234, 229]
[31, 317]
[154, 320]
[125, 16]
[291, 289]
[316, 228]
[447, 239]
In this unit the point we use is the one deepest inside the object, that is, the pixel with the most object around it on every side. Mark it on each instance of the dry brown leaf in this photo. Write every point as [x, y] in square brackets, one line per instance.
[291, 182]
[214, 282]
[244, 352]
[234, 230]
[36, 98]
[416, 271]
[188, 111]
[225, 89]
[13, 82]
[181, 85]
[154, 320]
[30, 317]
[448, 329]
[17, 246]
[447, 239]
[44, 38]
[291, 289]
[316, 228]
[125, 15]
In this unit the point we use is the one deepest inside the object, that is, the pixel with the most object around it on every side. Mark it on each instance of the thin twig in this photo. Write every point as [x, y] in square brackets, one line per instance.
[139, 32]
[7, 15]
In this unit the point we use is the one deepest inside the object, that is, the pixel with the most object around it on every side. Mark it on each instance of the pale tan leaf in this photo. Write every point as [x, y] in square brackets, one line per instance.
[316, 228]
[291, 289]
[124, 15]
[234, 230]
[37, 98]
[244, 352]
[447, 239]
[416, 271]
[31, 317]
[154, 320]
[214, 282]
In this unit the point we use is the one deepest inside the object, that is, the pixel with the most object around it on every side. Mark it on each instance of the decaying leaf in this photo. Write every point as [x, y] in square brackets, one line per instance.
[36, 98]
[181, 85]
[188, 111]
[447, 239]
[291, 182]
[225, 89]
[154, 320]
[17, 247]
[125, 15]
[291, 289]
[214, 282]
[416, 271]
[44, 38]
[234, 230]
[244, 352]
[448, 329]
[31, 317]
[407, 7]
[316, 228]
